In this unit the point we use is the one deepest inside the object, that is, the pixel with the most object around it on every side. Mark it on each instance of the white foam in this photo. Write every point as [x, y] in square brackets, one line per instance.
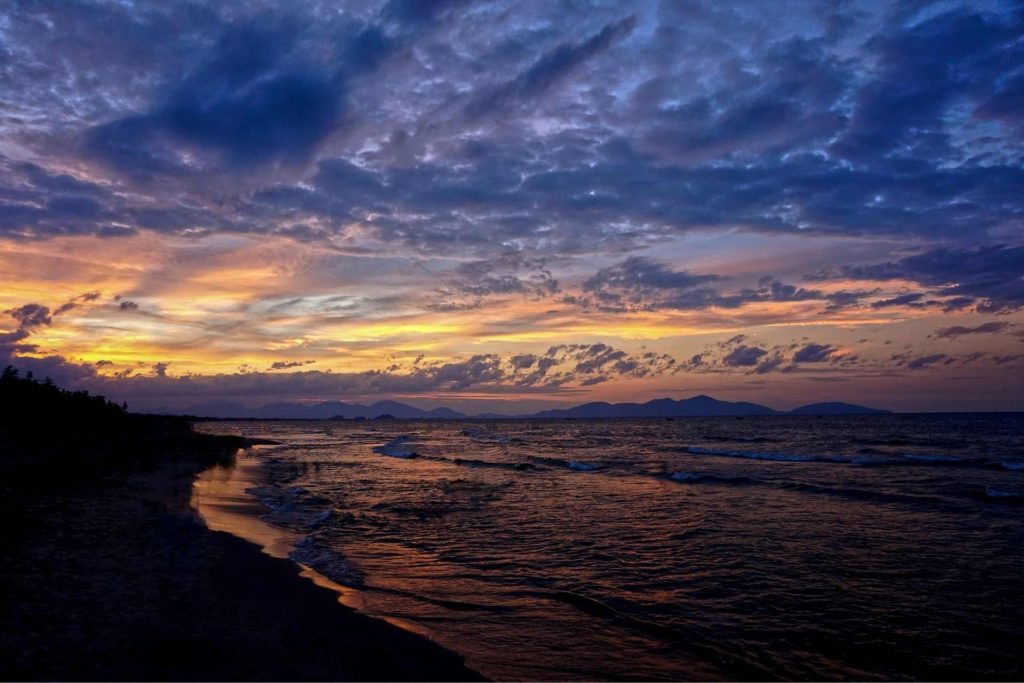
[581, 466]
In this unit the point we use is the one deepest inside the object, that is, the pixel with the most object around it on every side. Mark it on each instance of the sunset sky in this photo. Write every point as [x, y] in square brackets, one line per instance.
[508, 206]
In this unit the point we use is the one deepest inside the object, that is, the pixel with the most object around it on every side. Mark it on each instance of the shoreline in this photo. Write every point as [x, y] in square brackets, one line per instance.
[117, 578]
[220, 500]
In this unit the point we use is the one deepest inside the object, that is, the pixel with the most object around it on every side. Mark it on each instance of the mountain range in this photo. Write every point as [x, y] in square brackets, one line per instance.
[697, 406]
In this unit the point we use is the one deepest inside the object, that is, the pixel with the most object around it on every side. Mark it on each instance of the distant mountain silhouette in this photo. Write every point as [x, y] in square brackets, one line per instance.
[324, 410]
[697, 406]
[836, 408]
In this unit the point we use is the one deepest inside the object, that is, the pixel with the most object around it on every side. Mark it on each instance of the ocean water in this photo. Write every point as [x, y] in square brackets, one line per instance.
[870, 547]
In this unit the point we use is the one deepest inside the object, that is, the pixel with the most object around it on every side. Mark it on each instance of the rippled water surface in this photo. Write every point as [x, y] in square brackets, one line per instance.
[781, 547]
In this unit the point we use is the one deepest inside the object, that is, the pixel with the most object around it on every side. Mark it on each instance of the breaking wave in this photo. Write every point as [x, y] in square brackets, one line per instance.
[397, 448]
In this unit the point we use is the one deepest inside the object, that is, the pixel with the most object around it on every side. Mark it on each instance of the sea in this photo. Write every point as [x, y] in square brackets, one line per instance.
[857, 547]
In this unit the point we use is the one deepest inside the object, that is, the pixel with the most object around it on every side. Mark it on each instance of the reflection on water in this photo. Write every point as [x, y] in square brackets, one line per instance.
[781, 547]
[219, 497]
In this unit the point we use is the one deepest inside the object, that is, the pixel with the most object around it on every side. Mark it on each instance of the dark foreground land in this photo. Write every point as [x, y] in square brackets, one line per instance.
[107, 575]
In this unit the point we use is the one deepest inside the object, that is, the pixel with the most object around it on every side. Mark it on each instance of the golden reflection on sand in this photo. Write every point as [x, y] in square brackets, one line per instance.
[219, 498]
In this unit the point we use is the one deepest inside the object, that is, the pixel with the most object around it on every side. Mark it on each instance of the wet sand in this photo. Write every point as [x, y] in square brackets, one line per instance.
[220, 500]
[117, 578]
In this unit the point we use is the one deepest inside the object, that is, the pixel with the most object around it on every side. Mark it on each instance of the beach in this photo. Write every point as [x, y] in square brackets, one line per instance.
[113, 576]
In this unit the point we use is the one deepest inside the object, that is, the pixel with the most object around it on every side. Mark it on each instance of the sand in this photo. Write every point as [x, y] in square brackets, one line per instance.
[115, 577]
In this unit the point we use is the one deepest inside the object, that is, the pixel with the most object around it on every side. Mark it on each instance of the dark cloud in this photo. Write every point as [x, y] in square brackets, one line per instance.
[921, 68]
[258, 96]
[922, 362]
[814, 353]
[878, 124]
[285, 365]
[640, 274]
[639, 283]
[30, 316]
[743, 356]
[991, 277]
[770, 364]
[955, 331]
[76, 302]
[909, 300]
[473, 281]
[548, 70]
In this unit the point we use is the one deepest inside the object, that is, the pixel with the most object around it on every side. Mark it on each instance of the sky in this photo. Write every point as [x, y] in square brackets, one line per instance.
[507, 206]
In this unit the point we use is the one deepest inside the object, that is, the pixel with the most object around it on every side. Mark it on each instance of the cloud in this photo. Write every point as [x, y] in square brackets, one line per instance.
[922, 67]
[769, 364]
[922, 362]
[743, 356]
[256, 98]
[814, 353]
[681, 131]
[547, 71]
[561, 368]
[955, 331]
[640, 283]
[284, 365]
[471, 282]
[992, 277]
[910, 300]
[30, 316]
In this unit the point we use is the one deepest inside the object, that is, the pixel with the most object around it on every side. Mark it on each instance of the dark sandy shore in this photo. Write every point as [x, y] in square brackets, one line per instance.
[111, 576]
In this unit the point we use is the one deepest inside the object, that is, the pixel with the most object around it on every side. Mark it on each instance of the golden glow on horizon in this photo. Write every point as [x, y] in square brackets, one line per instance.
[218, 305]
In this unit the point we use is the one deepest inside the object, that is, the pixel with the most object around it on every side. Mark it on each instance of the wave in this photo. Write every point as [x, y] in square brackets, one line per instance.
[1004, 495]
[473, 462]
[1015, 466]
[750, 455]
[699, 478]
[874, 459]
[577, 465]
[597, 608]
[836, 491]
[927, 457]
[544, 460]
[486, 436]
[869, 495]
[292, 507]
[530, 465]
[925, 460]
[737, 439]
[743, 667]
[397, 448]
[327, 562]
[904, 442]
